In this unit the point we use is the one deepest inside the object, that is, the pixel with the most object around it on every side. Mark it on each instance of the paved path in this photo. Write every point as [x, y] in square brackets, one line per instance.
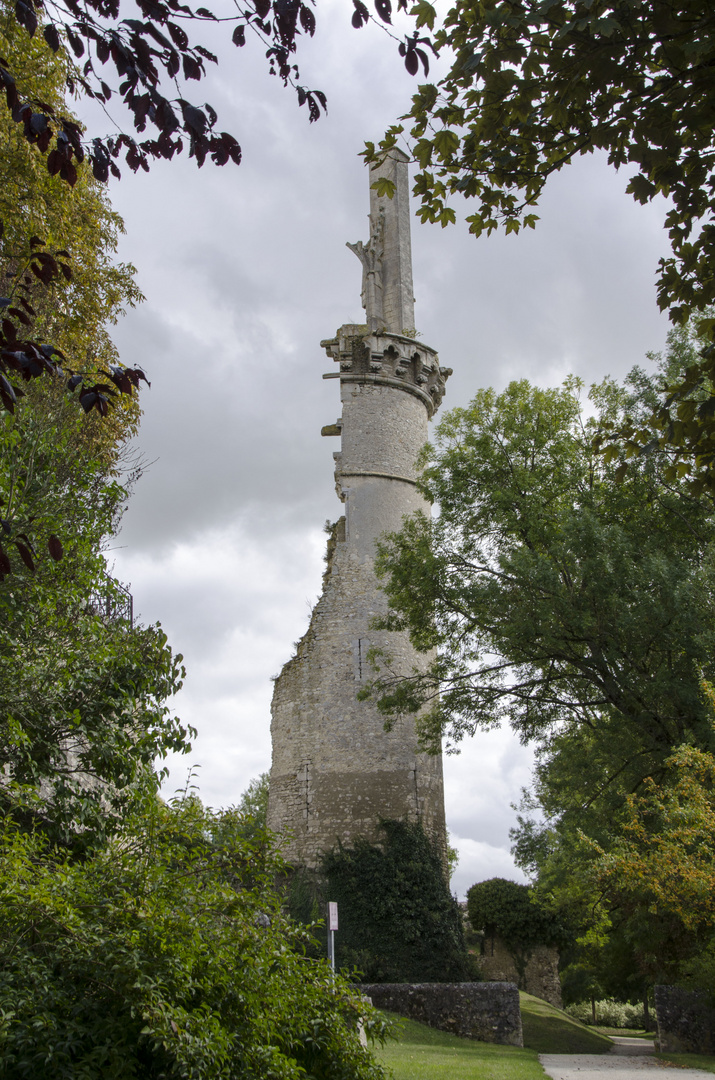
[629, 1059]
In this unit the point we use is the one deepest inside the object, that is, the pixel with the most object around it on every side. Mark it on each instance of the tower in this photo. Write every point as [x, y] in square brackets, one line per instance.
[335, 771]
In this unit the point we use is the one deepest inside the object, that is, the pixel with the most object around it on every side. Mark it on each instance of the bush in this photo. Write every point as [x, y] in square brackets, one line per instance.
[398, 919]
[610, 1013]
[165, 955]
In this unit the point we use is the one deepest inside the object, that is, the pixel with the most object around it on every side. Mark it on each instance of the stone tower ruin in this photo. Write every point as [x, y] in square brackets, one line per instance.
[335, 771]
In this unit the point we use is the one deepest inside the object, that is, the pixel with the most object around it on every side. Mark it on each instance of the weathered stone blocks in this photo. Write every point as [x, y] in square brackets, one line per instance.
[686, 1021]
[488, 1012]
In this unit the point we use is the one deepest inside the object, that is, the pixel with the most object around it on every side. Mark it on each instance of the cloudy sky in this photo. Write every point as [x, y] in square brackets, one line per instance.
[245, 270]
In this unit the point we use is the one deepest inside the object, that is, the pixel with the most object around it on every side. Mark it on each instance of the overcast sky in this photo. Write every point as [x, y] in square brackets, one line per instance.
[245, 270]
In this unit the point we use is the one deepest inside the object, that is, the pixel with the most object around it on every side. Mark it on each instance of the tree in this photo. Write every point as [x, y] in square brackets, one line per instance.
[533, 85]
[60, 281]
[681, 426]
[659, 879]
[253, 807]
[150, 53]
[570, 603]
[82, 690]
[512, 911]
[570, 596]
[165, 954]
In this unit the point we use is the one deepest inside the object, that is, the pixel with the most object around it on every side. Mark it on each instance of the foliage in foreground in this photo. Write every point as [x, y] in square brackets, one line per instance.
[82, 691]
[534, 85]
[398, 920]
[531, 87]
[165, 954]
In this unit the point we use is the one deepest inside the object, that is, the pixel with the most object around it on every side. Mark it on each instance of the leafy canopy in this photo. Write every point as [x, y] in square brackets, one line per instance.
[571, 604]
[82, 690]
[659, 876]
[535, 83]
[511, 911]
[60, 287]
[532, 85]
[147, 62]
[165, 955]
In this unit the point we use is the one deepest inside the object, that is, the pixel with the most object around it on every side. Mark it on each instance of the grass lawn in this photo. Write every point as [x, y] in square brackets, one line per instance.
[424, 1053]
[689, 1061]
[551, 1031]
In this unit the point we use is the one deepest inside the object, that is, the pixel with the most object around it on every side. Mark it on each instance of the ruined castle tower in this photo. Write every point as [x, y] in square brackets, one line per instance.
[335, 771]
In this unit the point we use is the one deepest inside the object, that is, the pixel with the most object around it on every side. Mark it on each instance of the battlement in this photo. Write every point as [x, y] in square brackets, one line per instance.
[388, 359]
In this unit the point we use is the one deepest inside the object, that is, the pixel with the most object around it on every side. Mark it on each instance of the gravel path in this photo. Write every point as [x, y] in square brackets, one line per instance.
[630, 1059]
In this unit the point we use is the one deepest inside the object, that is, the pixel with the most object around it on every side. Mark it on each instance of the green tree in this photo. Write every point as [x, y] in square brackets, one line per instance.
[571, 604]
[659, 878]
[570, 597]
[73, 312]
[253, 807]
[532, 85]
[82, 691]
[165, 954]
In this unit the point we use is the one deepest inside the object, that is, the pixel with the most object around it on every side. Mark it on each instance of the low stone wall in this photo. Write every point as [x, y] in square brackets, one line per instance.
[485, 1011]
[686, 1021]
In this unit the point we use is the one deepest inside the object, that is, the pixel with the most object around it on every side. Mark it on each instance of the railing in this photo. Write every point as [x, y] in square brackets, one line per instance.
[113, 603]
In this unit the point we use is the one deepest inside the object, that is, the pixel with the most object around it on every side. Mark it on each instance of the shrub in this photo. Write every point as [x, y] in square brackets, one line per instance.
[609, 1013]
[165, 955]
[503, 907]
[398, 920]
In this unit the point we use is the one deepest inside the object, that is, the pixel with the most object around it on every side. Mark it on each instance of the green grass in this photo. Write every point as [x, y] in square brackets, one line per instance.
[551, 1031]
[689, 1061]
[424, 1053]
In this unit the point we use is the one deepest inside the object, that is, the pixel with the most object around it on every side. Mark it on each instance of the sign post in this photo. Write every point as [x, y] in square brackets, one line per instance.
[332, 927]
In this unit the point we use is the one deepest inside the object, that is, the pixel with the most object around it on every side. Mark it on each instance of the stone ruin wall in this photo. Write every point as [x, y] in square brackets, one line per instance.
[335, 770]
[541, 972]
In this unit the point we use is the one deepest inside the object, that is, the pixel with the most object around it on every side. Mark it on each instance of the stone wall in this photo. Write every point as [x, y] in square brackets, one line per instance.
[541, 973]
[488, 1012]
[686, 1021]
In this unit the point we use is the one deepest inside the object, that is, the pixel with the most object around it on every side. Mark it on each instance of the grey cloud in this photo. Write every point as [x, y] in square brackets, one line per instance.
[245, 270]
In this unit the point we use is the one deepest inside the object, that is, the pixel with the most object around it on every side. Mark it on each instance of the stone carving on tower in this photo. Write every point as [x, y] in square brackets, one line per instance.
[335, 771]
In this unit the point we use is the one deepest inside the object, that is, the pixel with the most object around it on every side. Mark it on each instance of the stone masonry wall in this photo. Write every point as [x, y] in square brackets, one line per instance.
[335, 770]
[686, 1021]
[488, 1012]
[541, 972]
